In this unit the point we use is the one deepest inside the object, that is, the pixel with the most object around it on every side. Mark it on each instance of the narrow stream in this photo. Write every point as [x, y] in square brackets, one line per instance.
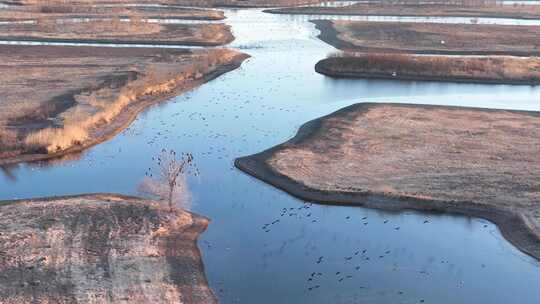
[365, 259]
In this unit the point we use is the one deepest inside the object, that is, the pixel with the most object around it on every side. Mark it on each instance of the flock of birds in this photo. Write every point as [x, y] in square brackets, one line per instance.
[349, 267]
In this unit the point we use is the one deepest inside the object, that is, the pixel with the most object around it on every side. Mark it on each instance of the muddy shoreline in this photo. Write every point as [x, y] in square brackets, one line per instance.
[331, 36]
[514, 226]
[325, 68]
[104, 247]
[128, 115]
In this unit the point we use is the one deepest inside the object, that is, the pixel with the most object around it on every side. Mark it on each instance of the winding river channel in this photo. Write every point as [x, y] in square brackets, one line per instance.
[307, 253]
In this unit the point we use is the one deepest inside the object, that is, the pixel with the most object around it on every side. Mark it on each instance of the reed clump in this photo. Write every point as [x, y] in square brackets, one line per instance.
[100, 107]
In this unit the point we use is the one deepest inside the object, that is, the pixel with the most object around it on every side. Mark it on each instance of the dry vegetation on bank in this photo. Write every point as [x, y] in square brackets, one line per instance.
[431, 38]
[56, 11]
[194, 3]
[117, 31]
[404, 66]
[100, 249]
[54, 98]
[410, 8]
[476, 162]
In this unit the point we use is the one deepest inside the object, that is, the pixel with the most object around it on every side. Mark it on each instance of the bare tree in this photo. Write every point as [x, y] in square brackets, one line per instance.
[170, 183]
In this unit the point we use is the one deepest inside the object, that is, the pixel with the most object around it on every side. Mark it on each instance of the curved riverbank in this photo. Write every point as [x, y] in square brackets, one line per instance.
[129, 113]
[428, 38]
[100, 247]
[393, 68]
[517, 226]
[227, 39]
[71, 11]
[117, 32]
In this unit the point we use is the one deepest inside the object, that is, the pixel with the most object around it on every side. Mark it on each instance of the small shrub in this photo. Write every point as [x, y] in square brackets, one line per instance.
[169, 183]
[56, 139]
[107, 103]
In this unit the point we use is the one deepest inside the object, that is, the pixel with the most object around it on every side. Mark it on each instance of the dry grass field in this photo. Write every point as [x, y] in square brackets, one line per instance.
[431, 38]
[455, 68]
[100, 248]
[470, 161]
[56, 11]
[419, 10]
[193, 3]
[54, 98]
[59, 98]
[118, 31]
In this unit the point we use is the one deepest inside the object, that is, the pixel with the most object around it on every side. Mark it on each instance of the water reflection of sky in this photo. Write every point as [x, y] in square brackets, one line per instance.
[250, 260]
